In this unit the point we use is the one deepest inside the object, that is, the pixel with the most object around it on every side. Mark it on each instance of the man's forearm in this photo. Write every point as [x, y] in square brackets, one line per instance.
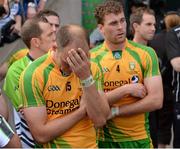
[53, 128]
[42, 4]
[14, 142]
[135, 90]
[3, 107]
[148, 104]
[152, 101]
[116, 94]
[3, 70]
[96, 105]
[18, 20]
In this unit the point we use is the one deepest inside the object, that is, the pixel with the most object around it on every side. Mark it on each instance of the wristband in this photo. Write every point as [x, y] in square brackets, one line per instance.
[87, 82]
[114, 111]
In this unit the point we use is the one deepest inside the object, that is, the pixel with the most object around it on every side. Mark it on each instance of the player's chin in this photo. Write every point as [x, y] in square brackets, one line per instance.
[120, 40]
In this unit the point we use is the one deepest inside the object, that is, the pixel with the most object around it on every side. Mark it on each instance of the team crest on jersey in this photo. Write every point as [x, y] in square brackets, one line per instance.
[132, 65]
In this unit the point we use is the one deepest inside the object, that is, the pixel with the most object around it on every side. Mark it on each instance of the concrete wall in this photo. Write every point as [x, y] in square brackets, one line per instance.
[69, 10]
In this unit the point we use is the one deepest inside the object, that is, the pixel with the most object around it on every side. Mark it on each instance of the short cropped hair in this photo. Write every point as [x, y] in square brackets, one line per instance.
[137, 16]
[31, 29]
[47, 12]
[110, 6]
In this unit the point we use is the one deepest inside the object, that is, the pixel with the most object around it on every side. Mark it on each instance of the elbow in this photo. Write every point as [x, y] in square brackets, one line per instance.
[175, 62]
[158, 104]
[176, 69]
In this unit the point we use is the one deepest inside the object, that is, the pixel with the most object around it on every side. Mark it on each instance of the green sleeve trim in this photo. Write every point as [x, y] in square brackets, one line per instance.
[28, 89]
[151, 57]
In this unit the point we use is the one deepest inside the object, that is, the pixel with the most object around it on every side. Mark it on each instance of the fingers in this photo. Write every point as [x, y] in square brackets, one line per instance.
[79, 63]
[138, 90]
[77, 56]
[70, 63]
[142, 91]
[82, 54]
[141, 94]
[74, 57]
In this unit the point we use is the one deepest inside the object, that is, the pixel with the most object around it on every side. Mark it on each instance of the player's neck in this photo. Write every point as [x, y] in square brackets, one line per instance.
[34, 54]
[115, 47]
[140, 40]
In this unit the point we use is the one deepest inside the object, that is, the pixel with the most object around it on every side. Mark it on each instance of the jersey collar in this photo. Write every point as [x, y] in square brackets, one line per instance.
[30, 57]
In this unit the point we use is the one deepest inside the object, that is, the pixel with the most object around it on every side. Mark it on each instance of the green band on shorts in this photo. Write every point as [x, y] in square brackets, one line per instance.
[144, 143]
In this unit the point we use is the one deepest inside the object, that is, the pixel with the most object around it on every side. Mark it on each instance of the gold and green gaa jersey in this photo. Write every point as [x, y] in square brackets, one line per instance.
[61, 95]
[131, 65]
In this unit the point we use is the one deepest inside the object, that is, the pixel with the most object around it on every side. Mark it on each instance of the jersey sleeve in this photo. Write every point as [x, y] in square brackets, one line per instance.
[97, 75]
[151, 64]
[31, 88]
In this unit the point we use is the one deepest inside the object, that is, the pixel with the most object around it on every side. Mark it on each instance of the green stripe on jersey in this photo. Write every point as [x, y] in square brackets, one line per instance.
[46, 73]
[96, 48]
[28, 90]
[152, 55]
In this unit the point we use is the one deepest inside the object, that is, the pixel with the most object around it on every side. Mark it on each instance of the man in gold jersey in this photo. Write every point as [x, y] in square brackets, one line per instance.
[61, 101]
[125, 62]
